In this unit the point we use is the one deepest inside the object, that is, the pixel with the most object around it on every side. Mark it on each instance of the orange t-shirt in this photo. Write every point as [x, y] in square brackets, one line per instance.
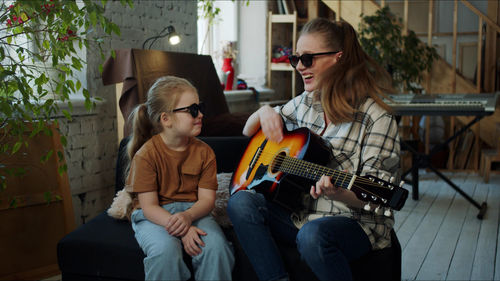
[175, 175]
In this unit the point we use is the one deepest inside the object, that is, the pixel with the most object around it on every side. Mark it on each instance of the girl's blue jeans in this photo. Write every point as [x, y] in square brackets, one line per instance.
[326, 244]
[164, 253]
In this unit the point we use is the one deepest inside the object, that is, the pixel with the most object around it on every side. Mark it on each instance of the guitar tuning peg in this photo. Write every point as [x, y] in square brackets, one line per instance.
[401, 183]
[387, 213]
[378, 210]
[367, 207]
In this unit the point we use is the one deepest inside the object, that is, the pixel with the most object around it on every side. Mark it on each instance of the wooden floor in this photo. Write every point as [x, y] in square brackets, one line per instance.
[440, 235]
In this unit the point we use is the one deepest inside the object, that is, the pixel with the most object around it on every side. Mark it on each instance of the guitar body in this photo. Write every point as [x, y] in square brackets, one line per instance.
[285, 171]
[256, 169]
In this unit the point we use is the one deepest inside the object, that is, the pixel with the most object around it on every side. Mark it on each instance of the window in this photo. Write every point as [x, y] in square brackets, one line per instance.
[224, 29]
[245, 24]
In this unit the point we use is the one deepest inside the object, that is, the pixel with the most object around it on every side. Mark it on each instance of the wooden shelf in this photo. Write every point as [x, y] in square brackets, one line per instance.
[291, 21]
[283, 18]
[281, 66]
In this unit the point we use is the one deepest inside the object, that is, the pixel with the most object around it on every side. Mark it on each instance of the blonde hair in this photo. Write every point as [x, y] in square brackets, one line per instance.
[355, 77]
[162, 97]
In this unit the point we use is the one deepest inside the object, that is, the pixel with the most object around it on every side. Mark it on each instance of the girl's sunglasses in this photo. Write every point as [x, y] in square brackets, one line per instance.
[306, 59]
[193, 109]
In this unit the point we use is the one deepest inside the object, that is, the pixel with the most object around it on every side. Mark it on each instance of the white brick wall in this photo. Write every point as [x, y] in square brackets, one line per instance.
[92, 138]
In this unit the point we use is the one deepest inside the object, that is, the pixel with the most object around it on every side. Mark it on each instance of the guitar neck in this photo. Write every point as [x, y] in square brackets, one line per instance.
[314, 172]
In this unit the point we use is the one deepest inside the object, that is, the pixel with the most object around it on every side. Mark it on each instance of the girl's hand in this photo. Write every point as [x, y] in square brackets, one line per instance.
[271, 124]
[178, 224]
[192, 241]
[325, 187]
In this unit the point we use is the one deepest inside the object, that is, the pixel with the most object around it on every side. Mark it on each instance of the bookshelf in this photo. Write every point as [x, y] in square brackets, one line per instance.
[290, 25]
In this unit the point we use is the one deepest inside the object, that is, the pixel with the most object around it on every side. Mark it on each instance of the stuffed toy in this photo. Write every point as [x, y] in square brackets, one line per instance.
[121, 208]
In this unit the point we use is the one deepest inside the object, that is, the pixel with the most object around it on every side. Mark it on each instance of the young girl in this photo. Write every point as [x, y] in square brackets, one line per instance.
[173, 178]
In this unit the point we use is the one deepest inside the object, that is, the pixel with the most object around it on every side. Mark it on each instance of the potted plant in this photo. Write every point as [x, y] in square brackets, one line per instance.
[40, 42]
[404, 56]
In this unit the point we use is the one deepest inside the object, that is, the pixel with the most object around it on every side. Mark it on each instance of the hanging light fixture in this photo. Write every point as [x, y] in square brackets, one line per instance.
[173, 37]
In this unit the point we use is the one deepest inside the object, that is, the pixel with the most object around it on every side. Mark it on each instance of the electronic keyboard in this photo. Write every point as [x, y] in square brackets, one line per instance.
[443, 104]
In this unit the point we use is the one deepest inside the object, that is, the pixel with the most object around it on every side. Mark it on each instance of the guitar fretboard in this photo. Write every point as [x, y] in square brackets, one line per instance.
[312, 171]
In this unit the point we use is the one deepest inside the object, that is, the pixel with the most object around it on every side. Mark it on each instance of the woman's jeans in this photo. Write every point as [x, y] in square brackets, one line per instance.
[164, 253]
[326, 244]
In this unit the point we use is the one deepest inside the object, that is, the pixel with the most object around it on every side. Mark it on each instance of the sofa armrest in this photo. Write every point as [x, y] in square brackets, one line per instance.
[228, 151]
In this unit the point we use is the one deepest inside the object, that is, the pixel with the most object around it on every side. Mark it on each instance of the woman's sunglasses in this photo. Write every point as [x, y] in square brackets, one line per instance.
[306, 59]
[193, 109]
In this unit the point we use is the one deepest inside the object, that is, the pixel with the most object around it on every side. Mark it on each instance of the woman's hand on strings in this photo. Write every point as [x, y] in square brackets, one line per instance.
[325, 187]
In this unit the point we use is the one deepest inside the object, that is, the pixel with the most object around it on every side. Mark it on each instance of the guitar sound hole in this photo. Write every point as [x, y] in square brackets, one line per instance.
[278, 162]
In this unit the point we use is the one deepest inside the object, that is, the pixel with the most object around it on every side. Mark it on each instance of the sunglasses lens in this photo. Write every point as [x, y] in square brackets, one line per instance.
[194, 109]
[294, 60]
[201, 107]
[306, 60]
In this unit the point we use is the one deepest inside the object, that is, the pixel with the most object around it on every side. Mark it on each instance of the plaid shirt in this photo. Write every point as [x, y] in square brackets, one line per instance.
[368, 145]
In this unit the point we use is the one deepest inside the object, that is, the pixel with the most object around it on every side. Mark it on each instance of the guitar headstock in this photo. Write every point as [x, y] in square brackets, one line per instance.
[379, 192]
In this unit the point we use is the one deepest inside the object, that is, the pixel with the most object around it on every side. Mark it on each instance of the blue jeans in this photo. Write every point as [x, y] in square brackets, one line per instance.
[164, 253]
[326, 244]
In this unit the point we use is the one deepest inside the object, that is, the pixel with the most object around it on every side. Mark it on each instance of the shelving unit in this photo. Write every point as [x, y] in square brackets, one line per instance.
[282, 29]
[271, 67]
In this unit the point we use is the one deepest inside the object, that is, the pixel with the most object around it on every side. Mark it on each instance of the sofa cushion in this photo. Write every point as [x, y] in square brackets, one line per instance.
[104, 247]
[228, 151]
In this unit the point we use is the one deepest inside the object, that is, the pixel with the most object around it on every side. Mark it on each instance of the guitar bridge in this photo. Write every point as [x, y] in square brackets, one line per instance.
[255, 157]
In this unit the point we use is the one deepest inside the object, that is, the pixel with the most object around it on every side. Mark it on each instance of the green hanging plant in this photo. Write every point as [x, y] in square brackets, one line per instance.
[39, 42]
[405, 57]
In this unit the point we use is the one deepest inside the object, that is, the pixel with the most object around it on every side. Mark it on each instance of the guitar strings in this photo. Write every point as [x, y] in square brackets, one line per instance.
[299, 163]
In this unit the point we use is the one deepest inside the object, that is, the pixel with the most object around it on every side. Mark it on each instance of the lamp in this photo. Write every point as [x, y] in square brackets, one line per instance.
[173, 37]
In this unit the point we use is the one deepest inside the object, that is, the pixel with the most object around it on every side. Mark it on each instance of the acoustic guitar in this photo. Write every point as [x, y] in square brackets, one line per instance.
[285, 171]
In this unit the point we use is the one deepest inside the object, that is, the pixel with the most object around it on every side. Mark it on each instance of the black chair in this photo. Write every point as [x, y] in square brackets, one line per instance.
[105, 248]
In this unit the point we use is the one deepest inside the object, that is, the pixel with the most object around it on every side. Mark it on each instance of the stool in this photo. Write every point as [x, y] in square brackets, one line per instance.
[488, 156]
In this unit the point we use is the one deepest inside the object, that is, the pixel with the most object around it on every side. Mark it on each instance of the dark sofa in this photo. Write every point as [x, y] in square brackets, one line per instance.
[105, 248]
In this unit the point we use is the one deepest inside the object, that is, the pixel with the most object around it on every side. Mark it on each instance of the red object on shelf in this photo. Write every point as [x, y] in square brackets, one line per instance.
[227, 68]
[280, 59]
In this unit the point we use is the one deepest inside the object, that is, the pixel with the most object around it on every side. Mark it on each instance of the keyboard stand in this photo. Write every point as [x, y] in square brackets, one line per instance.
[422, 160]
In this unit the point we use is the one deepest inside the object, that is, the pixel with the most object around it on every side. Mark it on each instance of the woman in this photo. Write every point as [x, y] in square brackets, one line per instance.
[341, 103]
